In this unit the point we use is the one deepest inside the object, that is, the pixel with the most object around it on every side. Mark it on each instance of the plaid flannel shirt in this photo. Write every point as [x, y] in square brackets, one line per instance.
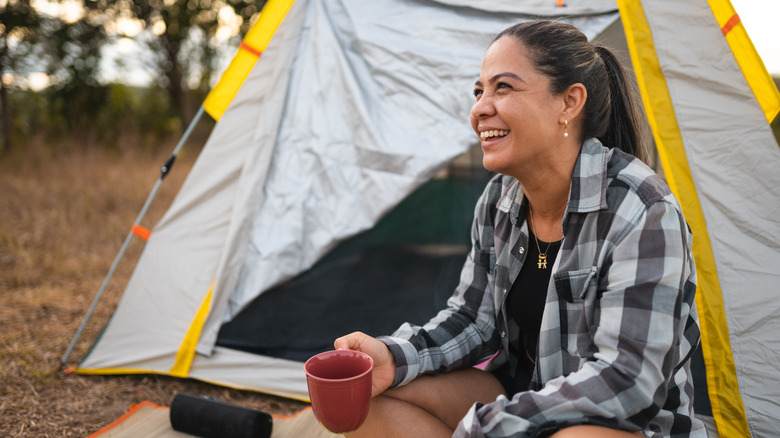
[619, 325]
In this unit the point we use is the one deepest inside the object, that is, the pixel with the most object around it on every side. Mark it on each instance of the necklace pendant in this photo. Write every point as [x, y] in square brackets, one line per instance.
[542, 263]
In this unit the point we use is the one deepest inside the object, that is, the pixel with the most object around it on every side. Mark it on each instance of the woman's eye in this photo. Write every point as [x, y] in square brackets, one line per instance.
[477, 93]
[501, 85]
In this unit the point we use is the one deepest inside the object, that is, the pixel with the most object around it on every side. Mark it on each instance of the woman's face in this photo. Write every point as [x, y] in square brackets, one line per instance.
[518, 120]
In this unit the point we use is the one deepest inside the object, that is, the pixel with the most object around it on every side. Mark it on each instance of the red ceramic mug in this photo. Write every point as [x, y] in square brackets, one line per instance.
[340, 388]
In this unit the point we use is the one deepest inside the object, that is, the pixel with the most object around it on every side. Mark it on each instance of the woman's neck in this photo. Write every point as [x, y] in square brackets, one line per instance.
[547, 202]
[546, 186]
[546, 226]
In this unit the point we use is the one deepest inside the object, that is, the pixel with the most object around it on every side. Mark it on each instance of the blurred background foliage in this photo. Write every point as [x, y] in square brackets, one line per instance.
[54, 55]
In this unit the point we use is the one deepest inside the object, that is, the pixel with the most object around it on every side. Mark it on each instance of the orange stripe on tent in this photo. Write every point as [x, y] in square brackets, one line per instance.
[733, 21]
[249, 48]
[560, 3]
[141, 232]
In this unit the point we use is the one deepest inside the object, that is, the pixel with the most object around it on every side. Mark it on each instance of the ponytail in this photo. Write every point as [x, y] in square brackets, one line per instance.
[624, 124]
[565, 55]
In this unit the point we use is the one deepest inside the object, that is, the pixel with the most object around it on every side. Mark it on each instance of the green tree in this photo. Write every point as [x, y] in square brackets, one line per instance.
[18, 27]
[71, 52]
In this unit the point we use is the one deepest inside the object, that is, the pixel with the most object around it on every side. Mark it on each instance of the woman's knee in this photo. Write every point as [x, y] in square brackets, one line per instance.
[449, 396]
[391, 417]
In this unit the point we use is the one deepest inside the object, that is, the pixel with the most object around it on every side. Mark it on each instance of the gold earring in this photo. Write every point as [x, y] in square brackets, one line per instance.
[565, 125]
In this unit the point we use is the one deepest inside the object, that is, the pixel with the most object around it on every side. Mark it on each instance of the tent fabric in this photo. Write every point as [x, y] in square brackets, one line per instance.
[354, 105]
[726, 179]
[538, 8]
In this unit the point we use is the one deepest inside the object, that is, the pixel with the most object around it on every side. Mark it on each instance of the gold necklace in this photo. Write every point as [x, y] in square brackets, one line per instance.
[542, 262]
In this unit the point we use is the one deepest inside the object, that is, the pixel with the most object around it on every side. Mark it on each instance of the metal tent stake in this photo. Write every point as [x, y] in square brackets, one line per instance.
[163, 172]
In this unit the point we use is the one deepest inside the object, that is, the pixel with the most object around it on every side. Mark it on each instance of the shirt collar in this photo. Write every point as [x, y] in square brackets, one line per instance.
[588, 191]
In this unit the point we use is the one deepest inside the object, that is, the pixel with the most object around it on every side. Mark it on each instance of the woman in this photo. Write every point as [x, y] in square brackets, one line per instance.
[580, 280]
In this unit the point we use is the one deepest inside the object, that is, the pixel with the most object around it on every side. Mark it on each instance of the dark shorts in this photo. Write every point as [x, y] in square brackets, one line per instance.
[507, 381]
[514, 384]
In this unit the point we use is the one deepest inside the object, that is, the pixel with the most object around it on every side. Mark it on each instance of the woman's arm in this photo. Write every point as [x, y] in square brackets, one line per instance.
[464, 333]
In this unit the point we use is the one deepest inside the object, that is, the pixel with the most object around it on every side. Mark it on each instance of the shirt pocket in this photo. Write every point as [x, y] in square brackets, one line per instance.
[577, 291]
[573, 286]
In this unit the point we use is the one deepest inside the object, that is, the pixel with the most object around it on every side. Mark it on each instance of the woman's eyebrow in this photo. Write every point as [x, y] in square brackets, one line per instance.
[498, 76]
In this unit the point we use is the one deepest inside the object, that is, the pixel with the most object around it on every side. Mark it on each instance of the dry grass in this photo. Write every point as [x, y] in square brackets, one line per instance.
[63, 218]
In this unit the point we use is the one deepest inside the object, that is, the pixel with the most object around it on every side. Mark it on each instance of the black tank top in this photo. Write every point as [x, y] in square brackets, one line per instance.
[525, 305]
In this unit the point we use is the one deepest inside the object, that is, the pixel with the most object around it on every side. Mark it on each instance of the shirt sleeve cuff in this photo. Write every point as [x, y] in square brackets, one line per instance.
[407, 361]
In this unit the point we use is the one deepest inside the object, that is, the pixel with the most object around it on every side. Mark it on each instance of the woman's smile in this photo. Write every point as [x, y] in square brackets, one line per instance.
[493, 133]
[491, 137]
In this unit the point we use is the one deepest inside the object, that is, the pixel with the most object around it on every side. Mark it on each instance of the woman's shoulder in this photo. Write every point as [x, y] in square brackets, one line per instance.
[626, 172]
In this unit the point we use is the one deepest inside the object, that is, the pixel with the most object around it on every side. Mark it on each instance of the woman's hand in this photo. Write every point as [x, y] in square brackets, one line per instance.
[383, 373]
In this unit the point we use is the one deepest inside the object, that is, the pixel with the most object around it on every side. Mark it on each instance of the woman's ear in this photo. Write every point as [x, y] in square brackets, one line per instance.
[574, 99]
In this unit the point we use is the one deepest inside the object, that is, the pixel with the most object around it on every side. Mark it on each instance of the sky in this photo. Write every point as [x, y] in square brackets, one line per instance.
[761, 19]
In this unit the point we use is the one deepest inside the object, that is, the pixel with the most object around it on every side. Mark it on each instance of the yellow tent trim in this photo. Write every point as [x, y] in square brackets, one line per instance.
[727, 406]
[283, 394]
[753, 68]
[255, 41]
[186, 353]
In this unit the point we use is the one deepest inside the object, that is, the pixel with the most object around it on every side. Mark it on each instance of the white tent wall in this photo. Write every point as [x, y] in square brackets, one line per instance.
[735, 171]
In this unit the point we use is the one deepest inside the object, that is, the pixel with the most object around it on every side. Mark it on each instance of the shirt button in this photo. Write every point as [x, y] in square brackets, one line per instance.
[521, 250]
[504, 291]
[503, 334]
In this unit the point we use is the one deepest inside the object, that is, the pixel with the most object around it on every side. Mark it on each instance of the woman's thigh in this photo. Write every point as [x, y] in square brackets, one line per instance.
[449, 396]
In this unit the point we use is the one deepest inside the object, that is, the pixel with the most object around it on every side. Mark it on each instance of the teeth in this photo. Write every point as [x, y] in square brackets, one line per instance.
[493, 133]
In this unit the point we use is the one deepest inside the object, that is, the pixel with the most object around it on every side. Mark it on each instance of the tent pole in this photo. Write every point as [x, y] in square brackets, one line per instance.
[163, 172]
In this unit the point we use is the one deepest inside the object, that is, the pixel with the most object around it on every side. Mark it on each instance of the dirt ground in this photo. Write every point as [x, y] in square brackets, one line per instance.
[64, 213]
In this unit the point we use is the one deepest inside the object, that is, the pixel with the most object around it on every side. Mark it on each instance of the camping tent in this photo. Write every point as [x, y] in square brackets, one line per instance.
[291, 222]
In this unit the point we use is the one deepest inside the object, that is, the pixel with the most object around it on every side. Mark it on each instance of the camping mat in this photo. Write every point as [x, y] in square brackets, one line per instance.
[148, 420]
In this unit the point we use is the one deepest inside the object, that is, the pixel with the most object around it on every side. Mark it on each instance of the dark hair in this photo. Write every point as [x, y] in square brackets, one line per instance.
[565, 55]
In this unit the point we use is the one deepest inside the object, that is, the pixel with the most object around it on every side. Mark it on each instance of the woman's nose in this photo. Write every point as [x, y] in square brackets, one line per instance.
[483, 107]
